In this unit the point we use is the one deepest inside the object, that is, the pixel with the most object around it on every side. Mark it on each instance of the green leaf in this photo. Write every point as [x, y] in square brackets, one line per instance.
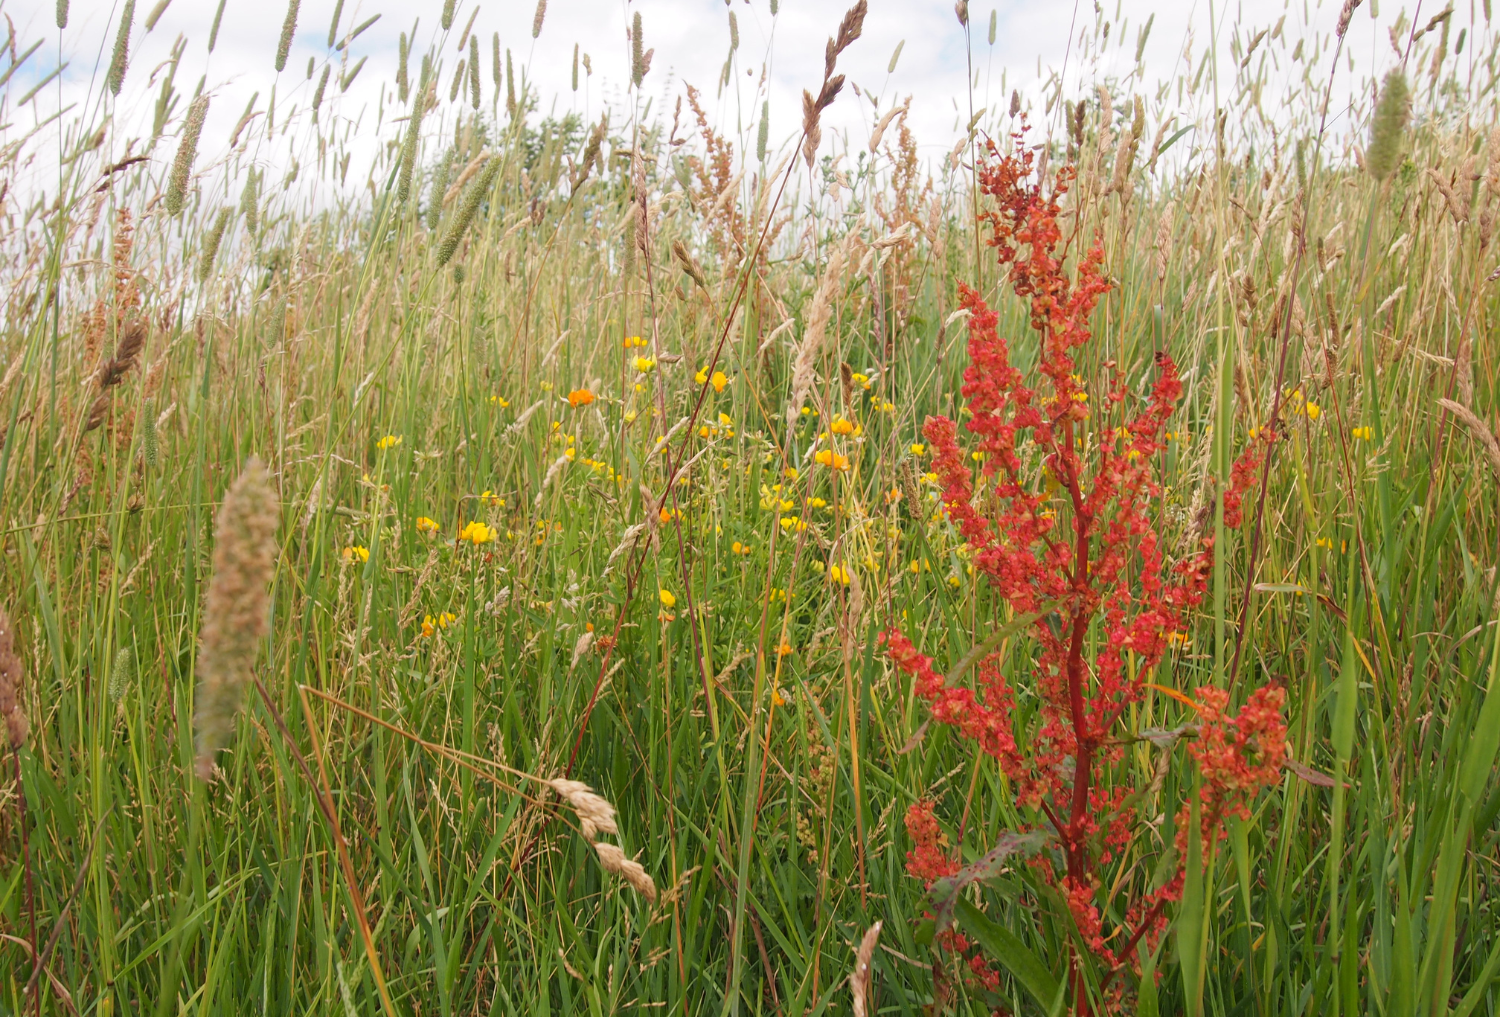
[945, 891]
[1002, 945]
[999, 636]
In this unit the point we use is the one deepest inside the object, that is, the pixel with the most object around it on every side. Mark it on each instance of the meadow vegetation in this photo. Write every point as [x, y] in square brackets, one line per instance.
[537, 579]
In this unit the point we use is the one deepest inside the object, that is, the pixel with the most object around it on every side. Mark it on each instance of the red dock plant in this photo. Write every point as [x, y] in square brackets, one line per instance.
[1061, 520]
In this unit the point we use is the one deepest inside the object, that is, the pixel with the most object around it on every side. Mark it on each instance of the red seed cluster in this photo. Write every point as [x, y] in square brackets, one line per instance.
[1062, 518]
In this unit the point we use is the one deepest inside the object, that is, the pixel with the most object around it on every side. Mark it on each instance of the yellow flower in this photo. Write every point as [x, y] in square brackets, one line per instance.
[389, 441]
[429, 626]
[351, 553]
[886, 407]
[630, 416]
[838, 575]
[1325, 542]
[701, 378]
[492, 499]
[500, 401]
[725, 420]
[667, 599]
[793, 523]
[644, 364]
[425, 525]
[776, 696]
[718, 381]
[817, 503]
[580, 397]
[832, 459]
[1313, 410]
[955, 582]
[917, 448]
[785, 650]
[1363, 433]
[863, 381]
[476, 533]
[665, 515]
[634, 341]
[842, 426]
[546, 386]
[1178, 639]
[807, 411]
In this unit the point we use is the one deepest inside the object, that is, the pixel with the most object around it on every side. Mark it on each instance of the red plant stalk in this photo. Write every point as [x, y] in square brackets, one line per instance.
[1080, 543]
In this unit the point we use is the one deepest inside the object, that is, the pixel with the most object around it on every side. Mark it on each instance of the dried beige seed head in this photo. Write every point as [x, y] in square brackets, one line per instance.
[615, 862]
[10, 684]
[859, 980]
[594, 813]
[236, 610]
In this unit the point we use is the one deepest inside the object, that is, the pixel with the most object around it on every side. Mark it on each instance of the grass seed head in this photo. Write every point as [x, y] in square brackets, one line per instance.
[122, 674]
[467, 209]
[120, 59]
[474, 94]
[1388, 129]
[16, 726]
[614, 861]
[595, 815]
[187, 151]
[447, 19]
[236, 610]
[288, 28]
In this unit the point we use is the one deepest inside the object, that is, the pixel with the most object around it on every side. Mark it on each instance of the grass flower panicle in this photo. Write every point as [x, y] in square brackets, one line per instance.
[236, 610]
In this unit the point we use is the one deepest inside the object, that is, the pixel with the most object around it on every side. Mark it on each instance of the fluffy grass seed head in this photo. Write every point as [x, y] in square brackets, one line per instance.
[595, 815]
[150, 440]
[447, 19]
[16, 725]
[213, 32]
[333, 26]
[62, 13]
[403, 85]
[210, 243]
[467, 209]
[236, 609]
[322, 86]
[1388, 128]
[438, 189]
[122, 675]
[614, 861]
[127, 351]
[538, 17]
[187, 151]
[474, 93]
[288, 28]
[413, 138]
[120, 59]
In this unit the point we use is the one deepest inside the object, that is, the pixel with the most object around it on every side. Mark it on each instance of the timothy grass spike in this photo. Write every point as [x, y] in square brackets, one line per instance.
[187, 151]
[1388, 128]
[288, 28]
[236, 609]
[120, 60]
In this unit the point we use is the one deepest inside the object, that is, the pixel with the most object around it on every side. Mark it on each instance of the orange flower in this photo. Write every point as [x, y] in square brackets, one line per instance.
[580, 397]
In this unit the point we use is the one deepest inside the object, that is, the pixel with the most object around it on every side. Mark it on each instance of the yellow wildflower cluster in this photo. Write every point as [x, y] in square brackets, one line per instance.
[476, 533]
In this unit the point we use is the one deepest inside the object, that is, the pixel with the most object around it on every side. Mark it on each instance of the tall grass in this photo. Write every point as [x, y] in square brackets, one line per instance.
[689, 625]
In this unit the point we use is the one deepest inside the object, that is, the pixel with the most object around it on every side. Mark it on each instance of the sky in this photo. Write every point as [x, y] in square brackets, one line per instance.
[776, 58]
